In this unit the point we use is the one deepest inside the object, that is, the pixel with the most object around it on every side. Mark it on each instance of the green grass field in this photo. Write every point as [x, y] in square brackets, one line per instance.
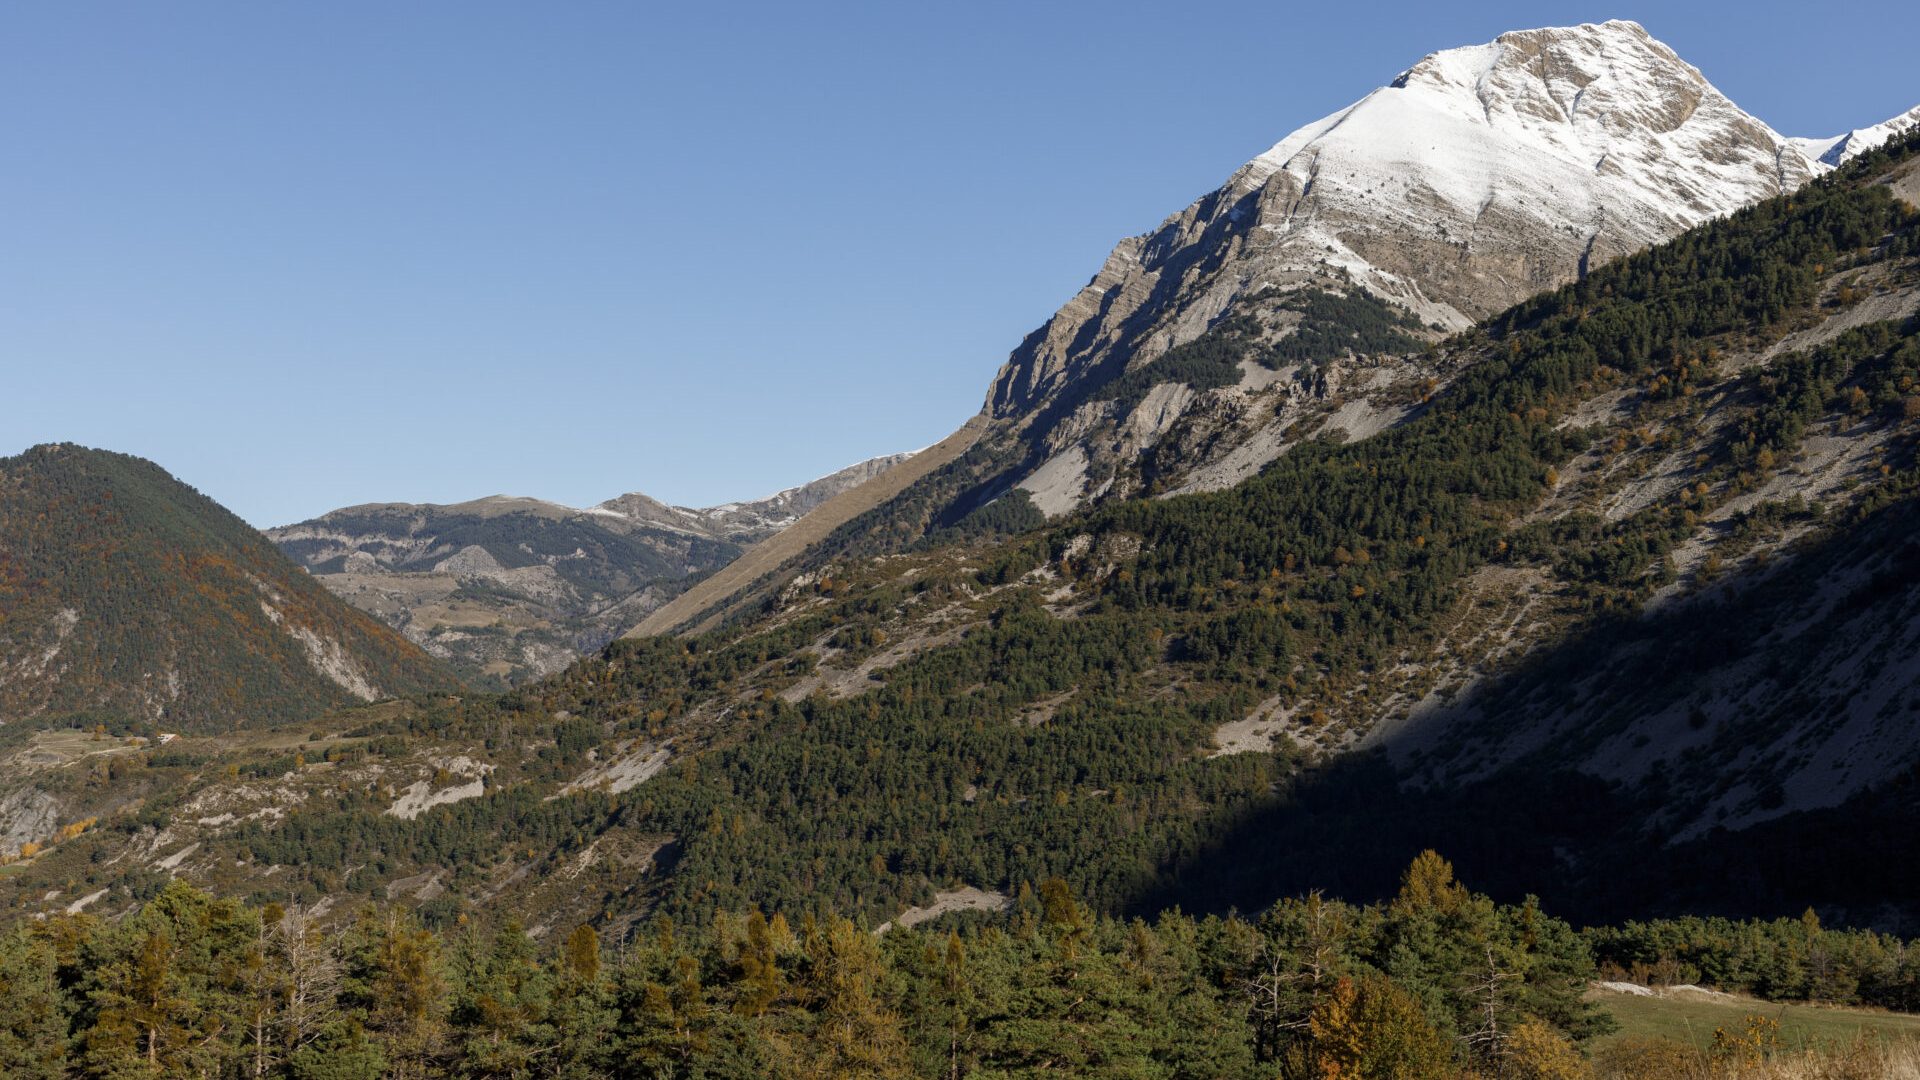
[1692, 1020]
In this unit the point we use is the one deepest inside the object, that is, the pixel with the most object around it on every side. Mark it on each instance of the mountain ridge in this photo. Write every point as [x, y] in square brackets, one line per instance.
[1370, 208]
[639, 507]
[1841, 149]
[509, 587]
[1478, 130]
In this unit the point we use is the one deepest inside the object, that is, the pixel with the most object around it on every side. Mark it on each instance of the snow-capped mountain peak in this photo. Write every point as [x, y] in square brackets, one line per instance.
[1595, 133]
[1479, 176]
[1838, 150]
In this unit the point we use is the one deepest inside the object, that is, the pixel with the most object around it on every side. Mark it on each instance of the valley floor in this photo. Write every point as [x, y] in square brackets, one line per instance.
[1690, 1015]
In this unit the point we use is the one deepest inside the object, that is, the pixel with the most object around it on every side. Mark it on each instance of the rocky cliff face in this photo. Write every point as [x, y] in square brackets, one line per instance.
[1476, 178]
[1294, 302]
[507, 588]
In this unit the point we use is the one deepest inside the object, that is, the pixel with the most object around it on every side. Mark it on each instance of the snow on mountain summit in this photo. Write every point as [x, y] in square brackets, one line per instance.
[1595, 133]
[1840, 149]
[1479, 176]
[1476, 178]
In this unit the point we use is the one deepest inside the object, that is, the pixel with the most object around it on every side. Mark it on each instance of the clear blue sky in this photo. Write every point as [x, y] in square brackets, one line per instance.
[306, 255]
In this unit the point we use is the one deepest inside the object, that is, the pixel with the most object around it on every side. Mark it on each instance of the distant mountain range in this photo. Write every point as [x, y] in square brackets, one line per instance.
[504, 589]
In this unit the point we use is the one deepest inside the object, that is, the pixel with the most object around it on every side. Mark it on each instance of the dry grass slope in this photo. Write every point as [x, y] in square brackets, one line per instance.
[768, 556]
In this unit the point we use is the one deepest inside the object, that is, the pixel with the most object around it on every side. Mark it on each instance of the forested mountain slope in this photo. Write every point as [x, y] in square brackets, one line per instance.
[128, 598]
[1170, 701]
[1296, 300]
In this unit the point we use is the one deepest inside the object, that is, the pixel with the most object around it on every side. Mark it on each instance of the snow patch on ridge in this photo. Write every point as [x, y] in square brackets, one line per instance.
[1837, 150]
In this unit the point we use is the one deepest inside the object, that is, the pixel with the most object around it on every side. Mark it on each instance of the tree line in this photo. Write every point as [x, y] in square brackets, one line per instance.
[1438, 981]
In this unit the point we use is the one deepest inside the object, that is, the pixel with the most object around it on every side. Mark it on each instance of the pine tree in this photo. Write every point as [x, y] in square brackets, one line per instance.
[167, 988]
[1293, 960]
[582, 1014]
[33, 1029]
[1370, 1029]
[499, 1002]
[394, 978]
[142, 1013]
[761, 982]
[853, 1034]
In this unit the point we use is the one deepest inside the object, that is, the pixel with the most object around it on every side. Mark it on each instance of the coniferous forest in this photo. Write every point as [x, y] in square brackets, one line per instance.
[1437, 981]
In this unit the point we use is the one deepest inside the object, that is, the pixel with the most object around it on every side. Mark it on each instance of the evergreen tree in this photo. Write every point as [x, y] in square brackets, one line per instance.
[33, 1021]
